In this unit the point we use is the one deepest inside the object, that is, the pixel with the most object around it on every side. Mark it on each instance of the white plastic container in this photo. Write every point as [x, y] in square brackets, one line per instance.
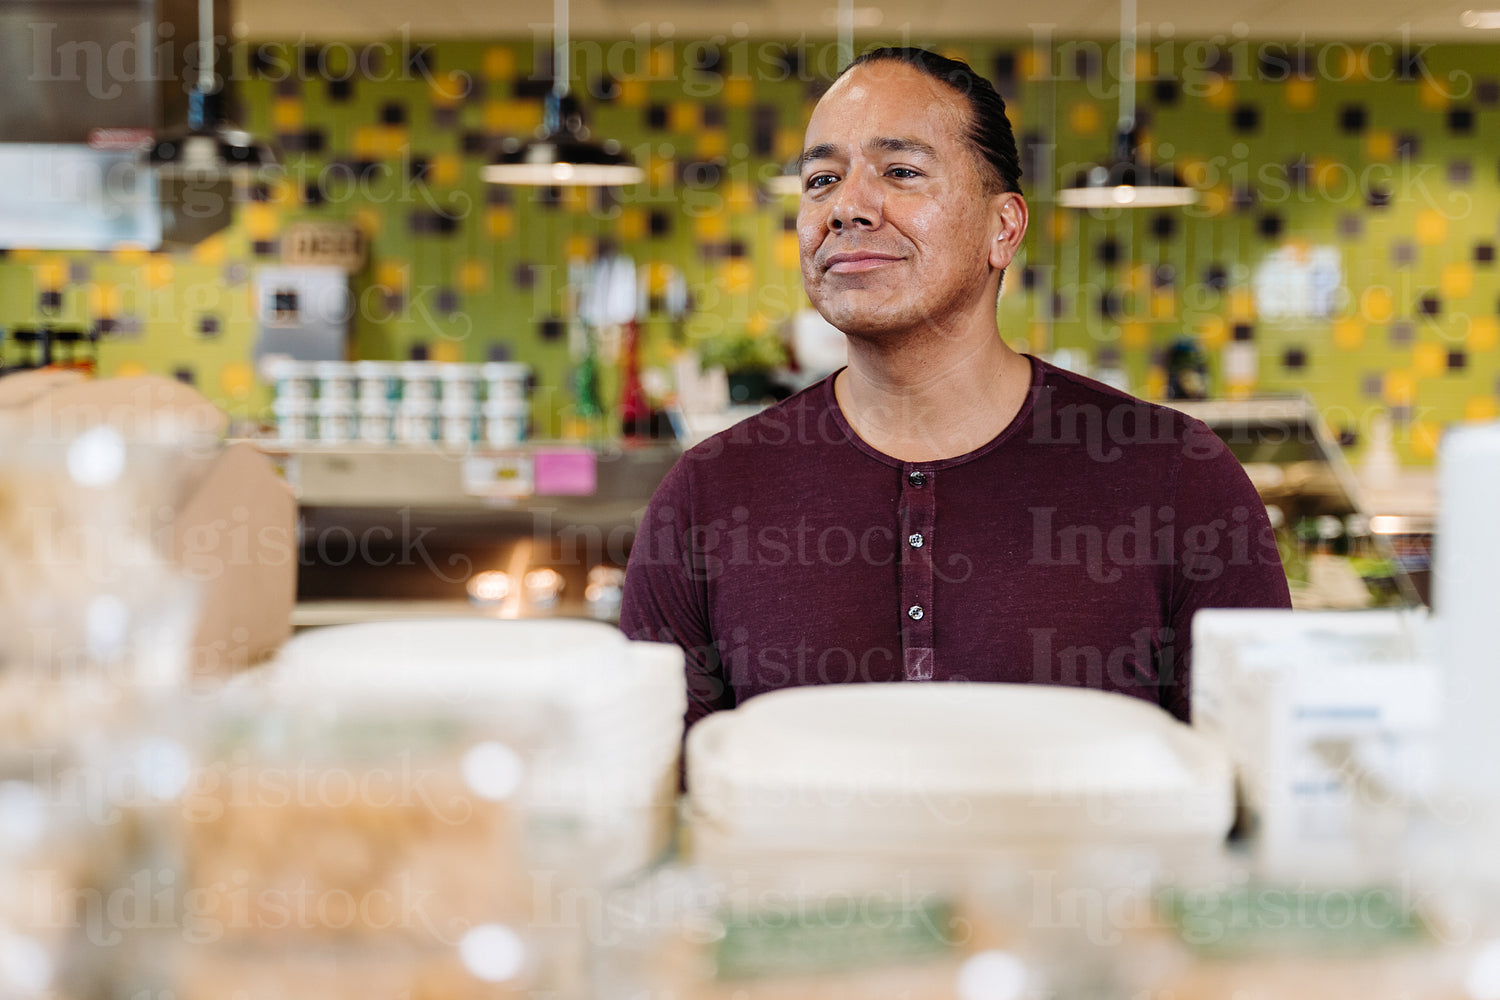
[377, 421]
[419, 381]
[458, 383]
[460, 421]
[505, 420]
[336, 381]
[505, 379]
[417, 422]
[294, 420]
[378, 381]
[293, 380]
[336, 423]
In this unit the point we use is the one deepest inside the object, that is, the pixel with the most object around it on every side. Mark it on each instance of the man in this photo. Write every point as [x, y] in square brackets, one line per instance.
[944, 508]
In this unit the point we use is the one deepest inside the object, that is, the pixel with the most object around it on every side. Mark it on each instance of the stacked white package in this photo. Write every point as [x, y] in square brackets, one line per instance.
[950, 768]
[600, 716]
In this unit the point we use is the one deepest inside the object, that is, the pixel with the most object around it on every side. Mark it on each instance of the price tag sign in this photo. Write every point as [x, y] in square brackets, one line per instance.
[323, 244]
[499, 476]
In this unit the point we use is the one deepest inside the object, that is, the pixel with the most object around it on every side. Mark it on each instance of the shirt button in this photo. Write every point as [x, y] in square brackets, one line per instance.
[917, 479]
[915, 540]
[915, 612]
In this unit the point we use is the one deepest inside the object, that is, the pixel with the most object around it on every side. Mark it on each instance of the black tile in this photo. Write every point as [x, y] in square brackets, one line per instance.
[1429, 305]
[1408, 146]
[737, 248]
[1348, 437]
[393, 113]
[523, 275]
[656, 116]
[1059, 305]
[1461, 121]
[208, 326]
[340, 91]
[1243, 199]
[1165, 276]
[185, 375]
[1003, 68]
[372, 61]
[552, 330]
[1400, 415]
[106, 326]
[1108, 251]
[1270, 226]
[1403, 253]
[1085, 63]
[1353, 119]
[49, 299]
[314, 140]
[1294, 359]
[699, 174]
[1298, 172]
[1165, 92]
[1163, 225]
[1457, 361]
[708, 59]
[418, 351]
[1032, 148]
[763, 124]
[263, 248]
[420, 61]
[713, 116]
[1219, 61]
[1378, 196]
[312, 193]
[1484, 253]
[289, 86]
[445, 117]
[789, 223]
[474, 143]
[1460, 172]
[604, 88]
[265, 61]
[1409, 66]
[1274, 63]
[444, 224]
[1401, 334]
[1246, 118]
[1487, 91]
[498, 352]
[446, 301]
[1243, 331]
[660, 222]
[1028, 278]
[1351, 226]
[531, 88]
[418, 168]
[1110, 305]
[311, 58]
[788, 60]
[1216, 277]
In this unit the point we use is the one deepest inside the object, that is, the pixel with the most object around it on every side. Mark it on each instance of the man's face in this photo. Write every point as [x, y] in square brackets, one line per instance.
[894, 225]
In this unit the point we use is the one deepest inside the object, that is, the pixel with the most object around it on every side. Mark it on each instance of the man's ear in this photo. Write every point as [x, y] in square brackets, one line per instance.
[1008, 217]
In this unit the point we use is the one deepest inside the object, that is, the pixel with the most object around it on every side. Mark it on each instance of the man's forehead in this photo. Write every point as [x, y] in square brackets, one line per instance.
[870, 98]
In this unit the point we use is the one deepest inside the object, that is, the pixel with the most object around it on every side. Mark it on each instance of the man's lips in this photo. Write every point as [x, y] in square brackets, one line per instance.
[853, 261]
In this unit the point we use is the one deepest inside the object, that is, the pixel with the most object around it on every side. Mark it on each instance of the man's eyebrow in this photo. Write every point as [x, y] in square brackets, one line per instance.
[887, 144]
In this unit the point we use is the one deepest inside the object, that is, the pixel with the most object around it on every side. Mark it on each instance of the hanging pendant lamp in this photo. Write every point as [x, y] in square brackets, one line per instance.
[210, 146]
[1128, 180]
[564, 155]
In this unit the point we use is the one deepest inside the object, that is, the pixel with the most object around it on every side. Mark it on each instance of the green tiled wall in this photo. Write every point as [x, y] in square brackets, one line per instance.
[1388, 154]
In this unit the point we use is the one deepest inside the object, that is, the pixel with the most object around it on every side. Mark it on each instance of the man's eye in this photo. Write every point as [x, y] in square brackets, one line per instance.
[820, 180]
[903, 172]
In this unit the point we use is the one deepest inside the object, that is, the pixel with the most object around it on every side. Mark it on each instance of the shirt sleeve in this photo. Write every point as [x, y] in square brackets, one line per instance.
[666, 597]
[1227, 555]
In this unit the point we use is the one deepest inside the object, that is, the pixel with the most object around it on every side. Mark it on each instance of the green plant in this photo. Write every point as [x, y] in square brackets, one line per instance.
[742, 351]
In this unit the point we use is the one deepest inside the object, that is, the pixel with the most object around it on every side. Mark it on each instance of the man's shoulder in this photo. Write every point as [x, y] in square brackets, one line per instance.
[1072, 406]
[806, 418]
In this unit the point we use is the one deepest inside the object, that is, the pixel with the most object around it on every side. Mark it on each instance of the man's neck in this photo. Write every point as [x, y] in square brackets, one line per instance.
[929, 402]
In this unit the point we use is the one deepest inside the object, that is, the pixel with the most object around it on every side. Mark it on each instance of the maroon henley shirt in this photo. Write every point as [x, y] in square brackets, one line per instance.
[1072, 549]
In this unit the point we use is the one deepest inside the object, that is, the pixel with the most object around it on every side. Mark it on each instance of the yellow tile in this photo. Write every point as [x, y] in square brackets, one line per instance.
[1030, 64]
[369, 221]
[1241, 305]
[1327, 174]
[788, 144]
[1300, 94]
[390, 274]
[661, 171]
[1215, 200]
[126, 255]
[741, 196]
[1457, 281]
[1377, 304]
[1156, 384]
[363, 140]
[1431, 228]
[1138, 278]
[575, 200]
[237, 379]
[499, 222]
[1432, 95]
[286, 114]
[737, 276]
[104, 300]
[284, 192]
[631, 225]
[757, 323]
[261, 220]
[515, 117]
[159, 271]
[1478, 409]
[634, 93]
[129, 369]
[499, 62]
[1214, 332]
[1355, 64]
[1399, 387]
[1348, 333]
[579, 247]
[685, 116]
[25, 255]
[1084, 118]
[1484, 333]
[1219, 94]
[739, 91]
[1424, 438]
[447, 89]
[712, 143]
[711, 228]
[1163, 304]
[211, 251]
[1134, 334]
[1380, 144]
[661, 65]
[473, 276]
[787, 253]
[1062, 226]
[51, 276]
[447, 351]
[393, 141]
[1429, 360]
[1036, 337]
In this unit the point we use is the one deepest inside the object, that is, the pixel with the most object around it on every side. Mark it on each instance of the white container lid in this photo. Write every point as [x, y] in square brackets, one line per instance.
[287, 368]
[377, 369]
[459, 372]
[504, 371]
[284, 406]
[333, 370]
[1027, 761]
[419, 370]
[507, 407]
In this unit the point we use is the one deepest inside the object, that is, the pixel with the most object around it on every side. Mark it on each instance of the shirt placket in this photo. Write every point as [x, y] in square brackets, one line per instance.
[917, 510]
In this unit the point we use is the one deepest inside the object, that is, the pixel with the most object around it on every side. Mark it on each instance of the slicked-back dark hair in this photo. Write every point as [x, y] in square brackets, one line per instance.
[989, 129]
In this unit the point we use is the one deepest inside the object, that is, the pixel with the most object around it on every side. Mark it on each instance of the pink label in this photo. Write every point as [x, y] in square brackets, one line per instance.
[565, 472]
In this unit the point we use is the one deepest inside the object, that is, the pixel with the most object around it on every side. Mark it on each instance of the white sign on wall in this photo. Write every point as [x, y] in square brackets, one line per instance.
[1297, 281]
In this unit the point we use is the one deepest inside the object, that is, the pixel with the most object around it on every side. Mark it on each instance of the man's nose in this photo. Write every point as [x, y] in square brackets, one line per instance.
[856, 203]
